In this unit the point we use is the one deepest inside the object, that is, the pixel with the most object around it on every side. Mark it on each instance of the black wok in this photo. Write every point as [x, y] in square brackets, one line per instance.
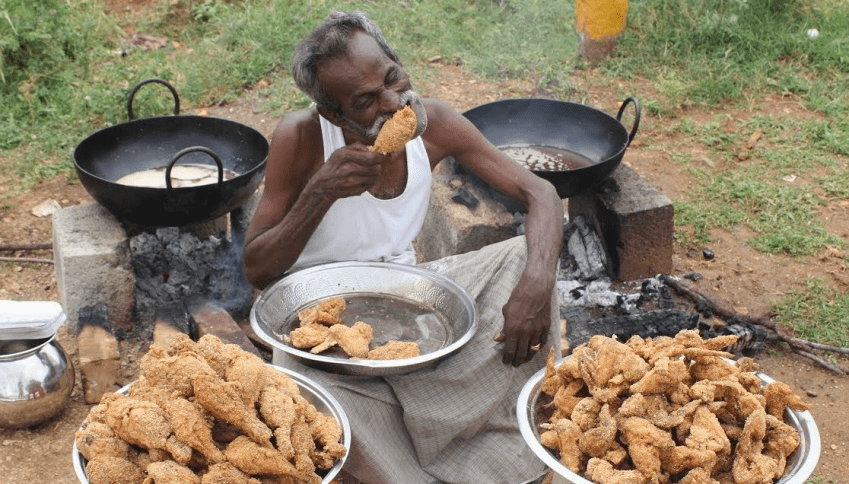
[143, 144]
[591, 133]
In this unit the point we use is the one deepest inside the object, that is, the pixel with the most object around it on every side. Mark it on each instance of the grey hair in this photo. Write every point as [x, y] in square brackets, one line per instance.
[328, 41]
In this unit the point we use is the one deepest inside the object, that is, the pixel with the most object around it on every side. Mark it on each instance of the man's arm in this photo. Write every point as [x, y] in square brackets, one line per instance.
[299, 190]
[527, 312]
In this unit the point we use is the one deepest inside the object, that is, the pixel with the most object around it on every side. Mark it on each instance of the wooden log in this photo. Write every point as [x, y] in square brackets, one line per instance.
[212, 319]
[100, 356]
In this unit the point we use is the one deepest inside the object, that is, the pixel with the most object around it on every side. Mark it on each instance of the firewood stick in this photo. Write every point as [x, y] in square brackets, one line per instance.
[799, 346]
[825, 364]
[25, 260]
[15, 247]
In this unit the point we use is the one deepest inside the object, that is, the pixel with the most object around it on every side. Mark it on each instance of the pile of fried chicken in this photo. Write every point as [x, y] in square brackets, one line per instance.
[666, 410]
[207, 413]
[321, 328]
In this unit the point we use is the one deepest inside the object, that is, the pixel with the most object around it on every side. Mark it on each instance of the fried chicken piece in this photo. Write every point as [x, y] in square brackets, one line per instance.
[597, 441]
[712, 368]
[170, 472]
[137, 422]
[781, 441]
[570, 368]
[552, 381]
[396, 131]
[193, 428]
[354, 340]
[664, 377]
[226, 473]
[706, 433]
[248, 370]
[609, 367]
[223, 400]
[98, 439]
[650, 407]
[646, 444]
[326, 312]
[107, 469]
[778, 396]
[563, 435]
[602, 472]
[675, 417]
[586, 412]
[750, 465]
[566, 399]
[251, 458]
[395, 350]
[179, 343]
[722, 342]
[159, 368]
[158, 394]
[680, 458]
[327, 433]
[214, 351]
[277, 379]
[278, 411]
[307, 337]
[304, 447]
[698, 476]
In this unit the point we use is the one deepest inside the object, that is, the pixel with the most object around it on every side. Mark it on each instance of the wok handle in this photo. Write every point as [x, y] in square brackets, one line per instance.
[637, 112]
[148, 81]
[192, 149]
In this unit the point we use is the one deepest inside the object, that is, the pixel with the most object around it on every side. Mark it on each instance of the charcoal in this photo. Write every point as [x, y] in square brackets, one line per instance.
[464, 197]
[649, 324]
[172, 266]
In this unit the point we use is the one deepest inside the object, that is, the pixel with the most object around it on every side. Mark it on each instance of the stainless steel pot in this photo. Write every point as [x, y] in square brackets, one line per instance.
[36, 380]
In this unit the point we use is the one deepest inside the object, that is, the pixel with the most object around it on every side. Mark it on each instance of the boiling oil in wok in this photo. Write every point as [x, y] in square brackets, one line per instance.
[393, 318]
[187, 175]
[545, 158]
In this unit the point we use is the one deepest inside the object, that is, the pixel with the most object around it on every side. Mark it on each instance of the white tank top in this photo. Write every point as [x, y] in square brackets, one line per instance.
[365, 228]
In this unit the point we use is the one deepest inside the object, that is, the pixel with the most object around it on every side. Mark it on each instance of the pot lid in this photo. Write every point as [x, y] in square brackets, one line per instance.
[30, 319]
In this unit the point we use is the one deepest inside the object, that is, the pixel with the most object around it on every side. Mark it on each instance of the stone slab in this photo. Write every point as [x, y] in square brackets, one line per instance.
[453, 228]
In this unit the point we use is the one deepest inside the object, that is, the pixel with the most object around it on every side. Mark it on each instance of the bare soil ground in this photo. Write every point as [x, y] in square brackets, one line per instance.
[746, 280]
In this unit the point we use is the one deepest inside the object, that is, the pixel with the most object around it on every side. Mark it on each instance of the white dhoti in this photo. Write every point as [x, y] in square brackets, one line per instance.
[454, 422]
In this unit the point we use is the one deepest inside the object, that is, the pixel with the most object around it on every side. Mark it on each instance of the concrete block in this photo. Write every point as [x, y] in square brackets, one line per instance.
[91, 255]
[636, 221]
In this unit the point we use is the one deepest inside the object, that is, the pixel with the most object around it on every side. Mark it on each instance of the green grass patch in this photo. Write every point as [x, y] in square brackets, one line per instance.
[818, 313]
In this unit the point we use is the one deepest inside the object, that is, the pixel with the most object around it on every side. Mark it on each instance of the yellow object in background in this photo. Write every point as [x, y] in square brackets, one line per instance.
[599, 23]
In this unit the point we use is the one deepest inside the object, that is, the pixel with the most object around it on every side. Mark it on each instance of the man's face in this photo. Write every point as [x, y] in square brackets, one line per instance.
[370, 87]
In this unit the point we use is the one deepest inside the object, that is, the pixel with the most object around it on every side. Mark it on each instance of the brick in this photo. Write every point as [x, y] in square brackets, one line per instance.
[211, 319]
[636, 222]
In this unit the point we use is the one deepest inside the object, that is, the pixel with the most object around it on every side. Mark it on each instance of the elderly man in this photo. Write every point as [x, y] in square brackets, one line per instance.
[328, 198]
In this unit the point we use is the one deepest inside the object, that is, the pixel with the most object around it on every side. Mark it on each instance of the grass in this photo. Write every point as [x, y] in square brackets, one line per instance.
[819, 313]
[66, 70]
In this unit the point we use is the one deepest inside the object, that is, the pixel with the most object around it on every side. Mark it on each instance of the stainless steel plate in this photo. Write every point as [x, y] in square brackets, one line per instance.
[401, 302]
[323, 401]
[800, 464]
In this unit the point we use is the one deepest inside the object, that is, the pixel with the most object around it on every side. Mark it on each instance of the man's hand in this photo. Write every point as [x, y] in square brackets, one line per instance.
[350, 171]
[527, 321]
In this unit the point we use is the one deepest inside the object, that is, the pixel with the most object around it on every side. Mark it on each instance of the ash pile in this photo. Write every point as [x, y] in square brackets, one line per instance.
[174, 268]
[592, 304]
